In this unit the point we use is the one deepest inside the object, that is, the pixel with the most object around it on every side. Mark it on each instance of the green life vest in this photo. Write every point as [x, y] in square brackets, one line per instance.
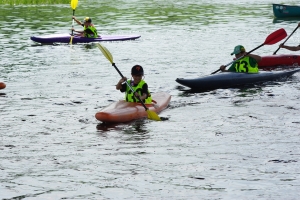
[138, 88]
[90, 32]
[243, 65]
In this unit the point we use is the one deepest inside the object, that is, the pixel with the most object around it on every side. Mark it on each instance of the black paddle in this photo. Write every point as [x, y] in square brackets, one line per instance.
[287, 38]
[273, 38]
[151, 114]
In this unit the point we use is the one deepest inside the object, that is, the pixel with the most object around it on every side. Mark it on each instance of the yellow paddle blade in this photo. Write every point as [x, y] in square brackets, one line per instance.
[74, 4]
[152, 115]
[105, 52]
[71, 39]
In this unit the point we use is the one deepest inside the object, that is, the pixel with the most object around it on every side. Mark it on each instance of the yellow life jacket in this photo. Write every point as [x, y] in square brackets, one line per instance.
[138, 88]
[243, 65]
[90, 32]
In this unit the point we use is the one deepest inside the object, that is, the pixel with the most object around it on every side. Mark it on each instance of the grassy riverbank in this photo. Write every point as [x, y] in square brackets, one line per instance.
[31, 2]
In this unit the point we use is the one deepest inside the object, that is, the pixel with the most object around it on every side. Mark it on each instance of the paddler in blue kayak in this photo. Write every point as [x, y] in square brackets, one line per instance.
[246, 64]
[89, 29]
[138, 84]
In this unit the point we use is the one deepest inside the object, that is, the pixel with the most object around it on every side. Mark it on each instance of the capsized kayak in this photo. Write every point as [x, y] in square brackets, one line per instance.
[65, 38]
[2, 85]
[233, 79]
[281, 10]
[122, 111]
[273, 61]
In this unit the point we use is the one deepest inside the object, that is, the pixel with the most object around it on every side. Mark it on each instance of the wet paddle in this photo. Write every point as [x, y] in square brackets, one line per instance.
[74, 4]
[287, 38]
[273, 38]
[151, 114]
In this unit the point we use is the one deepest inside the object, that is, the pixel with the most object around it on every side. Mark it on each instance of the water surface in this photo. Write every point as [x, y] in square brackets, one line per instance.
[238, 143]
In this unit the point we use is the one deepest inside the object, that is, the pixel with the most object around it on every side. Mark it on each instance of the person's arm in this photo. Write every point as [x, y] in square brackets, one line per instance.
[291, 48]
[77, 31]
[256, 57]
[230, 69]
[77, 21]
[143, 97]
[144, 92]
[121, 81]
[222, 68]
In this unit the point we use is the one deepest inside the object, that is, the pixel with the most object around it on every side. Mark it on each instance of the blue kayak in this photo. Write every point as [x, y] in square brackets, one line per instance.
[65, 38]
[281, 10]
[233, 79]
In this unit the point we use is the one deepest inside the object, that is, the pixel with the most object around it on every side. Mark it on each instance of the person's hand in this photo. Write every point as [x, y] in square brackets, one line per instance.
[222, 67]
[299, 24]
[141, 97]
[122, 80]
[281, 45]
[137, 95]
[73, 17]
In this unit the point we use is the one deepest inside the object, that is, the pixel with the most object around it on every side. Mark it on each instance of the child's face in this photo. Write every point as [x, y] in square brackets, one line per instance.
[137, 78]
[87, 24]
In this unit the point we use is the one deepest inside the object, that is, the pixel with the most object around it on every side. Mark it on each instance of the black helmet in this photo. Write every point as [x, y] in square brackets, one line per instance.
[87, 19]
[137, 70]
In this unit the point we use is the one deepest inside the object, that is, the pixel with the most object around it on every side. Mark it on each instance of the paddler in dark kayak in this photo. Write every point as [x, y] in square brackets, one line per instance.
[247, 64]
[138, 84]
[89, 29]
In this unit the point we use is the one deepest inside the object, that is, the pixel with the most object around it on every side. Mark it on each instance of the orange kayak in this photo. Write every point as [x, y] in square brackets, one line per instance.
[123, 111]
[2, 85]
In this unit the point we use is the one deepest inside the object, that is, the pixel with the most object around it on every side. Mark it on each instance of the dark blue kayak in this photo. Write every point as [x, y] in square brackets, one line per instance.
[233, 79]
[65, 38]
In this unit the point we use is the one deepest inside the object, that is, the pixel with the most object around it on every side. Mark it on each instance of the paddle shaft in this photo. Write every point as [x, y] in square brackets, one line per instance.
[239, 58]
[73, 22]
[113, 64]
[287, 39]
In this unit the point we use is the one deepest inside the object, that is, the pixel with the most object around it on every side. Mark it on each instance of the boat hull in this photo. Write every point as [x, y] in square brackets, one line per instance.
[65, 38]
[2, 85]
[273, 61]
[282, 11]
[232, 79]
[122, 111]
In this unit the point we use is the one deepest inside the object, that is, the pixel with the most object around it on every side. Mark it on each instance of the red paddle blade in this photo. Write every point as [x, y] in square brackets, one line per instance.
[275, 37]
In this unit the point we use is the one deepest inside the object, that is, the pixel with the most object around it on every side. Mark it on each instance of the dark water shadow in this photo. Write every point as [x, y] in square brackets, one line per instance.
[286, 19]
[103, 126]
[136, 126]
[135, 132]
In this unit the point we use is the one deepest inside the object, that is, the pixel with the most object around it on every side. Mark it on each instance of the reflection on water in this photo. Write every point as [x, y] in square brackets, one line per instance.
[287, 20]
[134, 127]
[248, 91]
[137, 127]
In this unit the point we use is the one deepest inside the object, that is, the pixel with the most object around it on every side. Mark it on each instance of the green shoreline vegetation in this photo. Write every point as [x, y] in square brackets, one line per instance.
[32, 2]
